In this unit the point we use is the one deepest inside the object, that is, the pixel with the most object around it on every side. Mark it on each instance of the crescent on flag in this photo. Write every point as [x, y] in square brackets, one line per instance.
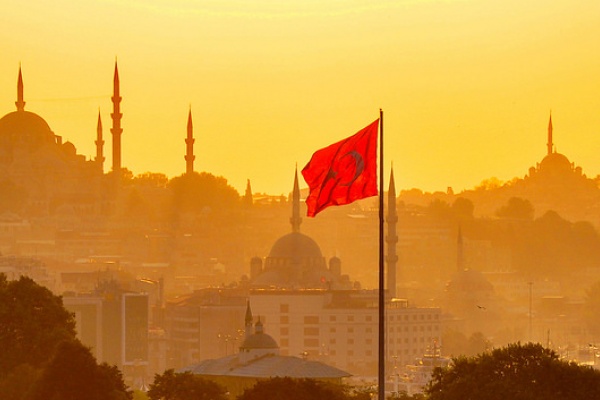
[359, 163]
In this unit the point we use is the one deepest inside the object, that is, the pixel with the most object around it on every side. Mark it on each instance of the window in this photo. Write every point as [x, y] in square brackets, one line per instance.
[284, 319]
[284, 331]
[332, 318]
[284, 308]
[311, 331]
[310, 342]
[311, 320]
[350, 318]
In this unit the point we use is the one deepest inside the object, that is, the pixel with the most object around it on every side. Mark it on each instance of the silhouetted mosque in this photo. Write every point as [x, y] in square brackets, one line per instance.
[259, 359]
[295, 260]
[50, 172]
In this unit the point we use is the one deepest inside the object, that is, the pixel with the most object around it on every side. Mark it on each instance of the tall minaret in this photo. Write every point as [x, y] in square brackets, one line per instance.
[296, 220]
[189, 142]
[248, 322]
[392, 238]
[20, 103]
[116, 129]
[549, 144]
[99, 144]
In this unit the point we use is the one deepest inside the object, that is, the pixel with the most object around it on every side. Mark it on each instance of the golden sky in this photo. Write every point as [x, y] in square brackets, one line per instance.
[466, 85]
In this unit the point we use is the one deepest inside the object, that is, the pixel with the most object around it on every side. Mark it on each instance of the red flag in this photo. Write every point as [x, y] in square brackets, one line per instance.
[343, 172]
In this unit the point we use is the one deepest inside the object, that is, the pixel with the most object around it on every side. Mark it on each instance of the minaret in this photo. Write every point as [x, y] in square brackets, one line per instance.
[116, 129]
[20, 103]
[99, 144]
[460, 259]
[248, 322]
[392, 238]
[189, 142]
[248, 200]
[549, 144]
[296, 220]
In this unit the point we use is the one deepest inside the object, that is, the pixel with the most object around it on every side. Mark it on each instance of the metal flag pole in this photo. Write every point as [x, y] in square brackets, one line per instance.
[381, 357]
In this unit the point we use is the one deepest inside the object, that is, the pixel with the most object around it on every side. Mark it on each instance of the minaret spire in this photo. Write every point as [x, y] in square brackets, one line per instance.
[116, 116]
[20, 103]
[189, 142]
[296, 220]
[550, 145]
[99, 144]
[392, 238]
[248, 322]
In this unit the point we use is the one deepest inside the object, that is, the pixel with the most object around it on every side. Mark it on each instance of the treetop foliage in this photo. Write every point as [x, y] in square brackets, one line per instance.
[33, 322]
[519, 372]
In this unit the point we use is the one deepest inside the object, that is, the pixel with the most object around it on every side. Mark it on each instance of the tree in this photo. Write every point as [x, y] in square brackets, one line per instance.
[73, 373]
[33, 322]
[463, 208]
[520, 372]
[173, 385]
[516, 208]
[197, 192]
[299, 389]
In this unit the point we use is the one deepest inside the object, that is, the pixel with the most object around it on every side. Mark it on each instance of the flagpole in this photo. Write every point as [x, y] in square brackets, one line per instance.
[381, 363]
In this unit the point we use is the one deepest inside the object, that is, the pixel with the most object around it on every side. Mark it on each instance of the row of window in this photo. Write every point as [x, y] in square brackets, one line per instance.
[314, 319]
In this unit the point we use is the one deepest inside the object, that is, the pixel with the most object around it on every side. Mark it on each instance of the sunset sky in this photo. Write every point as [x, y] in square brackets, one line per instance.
[466, 85]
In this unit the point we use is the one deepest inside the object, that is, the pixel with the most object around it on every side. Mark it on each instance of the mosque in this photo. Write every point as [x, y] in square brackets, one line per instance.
[46, 169]
[49, 173]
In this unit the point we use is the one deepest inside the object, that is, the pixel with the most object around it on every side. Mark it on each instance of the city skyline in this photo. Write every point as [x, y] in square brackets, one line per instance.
[466, 87]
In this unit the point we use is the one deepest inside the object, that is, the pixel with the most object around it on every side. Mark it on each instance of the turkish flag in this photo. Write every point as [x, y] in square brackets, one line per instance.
[343, 172]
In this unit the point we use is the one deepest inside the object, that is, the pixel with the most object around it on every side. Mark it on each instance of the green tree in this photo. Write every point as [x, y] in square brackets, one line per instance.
[463, 208]
[516, 208]
[197, 192]
[299, 389]
[73, 374]
[516, 372]
[172, 385]
[32, 323]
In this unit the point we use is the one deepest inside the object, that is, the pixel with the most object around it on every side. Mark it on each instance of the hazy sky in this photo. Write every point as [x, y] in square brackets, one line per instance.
[466, 86]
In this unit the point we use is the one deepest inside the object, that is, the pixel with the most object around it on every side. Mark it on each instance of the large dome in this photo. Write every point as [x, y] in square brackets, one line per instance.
[295, 245]
[24, 129]
[556, 162]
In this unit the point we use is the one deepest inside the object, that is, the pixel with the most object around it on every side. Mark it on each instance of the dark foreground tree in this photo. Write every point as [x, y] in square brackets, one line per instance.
[516, 372]
[73, 374]
[184, 386]
[299, 389]
[32, 322]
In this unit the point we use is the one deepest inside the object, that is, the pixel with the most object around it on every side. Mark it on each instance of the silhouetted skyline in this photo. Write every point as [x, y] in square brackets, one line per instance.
[466, 86]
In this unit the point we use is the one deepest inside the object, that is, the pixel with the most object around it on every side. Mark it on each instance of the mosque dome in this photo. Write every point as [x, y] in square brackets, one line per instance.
[24, 129]
[259, 340]
[295, 245]
[556, 162]
[469, 281]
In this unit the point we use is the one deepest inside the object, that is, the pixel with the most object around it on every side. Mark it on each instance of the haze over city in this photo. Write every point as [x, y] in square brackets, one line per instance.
[156, 230]
[466, 86]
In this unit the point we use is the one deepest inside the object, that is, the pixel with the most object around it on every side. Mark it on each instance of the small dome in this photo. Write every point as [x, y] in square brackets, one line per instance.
[259, 340]
[24, 128]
